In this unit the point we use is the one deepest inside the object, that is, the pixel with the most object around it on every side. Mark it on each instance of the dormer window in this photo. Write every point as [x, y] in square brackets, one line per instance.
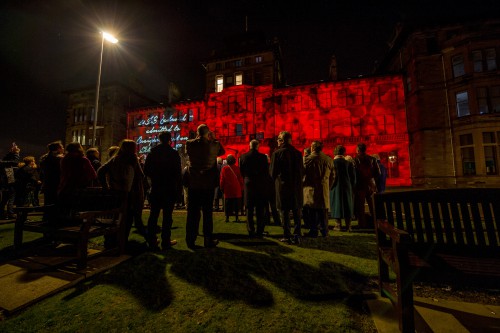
[238, 79]
[219, 83]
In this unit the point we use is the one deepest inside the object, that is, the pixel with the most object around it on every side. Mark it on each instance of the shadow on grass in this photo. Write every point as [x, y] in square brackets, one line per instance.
[231, 275]
[338, 243]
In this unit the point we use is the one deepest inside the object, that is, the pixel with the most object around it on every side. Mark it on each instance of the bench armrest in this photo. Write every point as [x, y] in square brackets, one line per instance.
[34, 209]
[396, 235]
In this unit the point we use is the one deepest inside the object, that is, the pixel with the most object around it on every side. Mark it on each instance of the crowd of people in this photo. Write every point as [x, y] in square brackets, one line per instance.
[306, 188]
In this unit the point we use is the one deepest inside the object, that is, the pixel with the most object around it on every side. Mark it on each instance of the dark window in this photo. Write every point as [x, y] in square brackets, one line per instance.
[458, 65]
[432, 45]
[491, 59]
[477, 58]
[239, 129]
[462, 104]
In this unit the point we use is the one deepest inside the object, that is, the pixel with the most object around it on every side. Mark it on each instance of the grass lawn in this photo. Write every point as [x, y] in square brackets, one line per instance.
[243, 285]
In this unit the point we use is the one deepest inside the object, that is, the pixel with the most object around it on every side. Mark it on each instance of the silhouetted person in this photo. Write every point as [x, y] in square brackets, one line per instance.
[367, 171]
[255, 171]
[318, 179]
[287, 169]
[163, 167]
[202, 181]
[342, 198]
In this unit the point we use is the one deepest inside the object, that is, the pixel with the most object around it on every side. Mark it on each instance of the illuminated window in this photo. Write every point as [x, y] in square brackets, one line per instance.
[467, 152]
[325, 99]
[458, 65]
[490, 153]
[232, 104]
[342, 98]
[258, 59]
[462, 104]
[219, 83]
[238, 78]
[491, 59]
[317, 129]
[477, 58]
[238, 63]
[482, 100]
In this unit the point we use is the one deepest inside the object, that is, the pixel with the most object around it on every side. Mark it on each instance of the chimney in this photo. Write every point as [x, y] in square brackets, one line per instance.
[333, 68]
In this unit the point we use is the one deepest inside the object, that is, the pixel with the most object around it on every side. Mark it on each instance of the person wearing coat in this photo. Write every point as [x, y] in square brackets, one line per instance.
[318, 179]
[287, 170]
[201, 179]
[367, 171]
[231, 184]
[123, 173]
[163, 167]
[27, 179]
[255, 171]
[342, 197]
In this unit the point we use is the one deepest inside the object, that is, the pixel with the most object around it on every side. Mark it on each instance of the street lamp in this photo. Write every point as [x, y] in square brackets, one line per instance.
[112, 39]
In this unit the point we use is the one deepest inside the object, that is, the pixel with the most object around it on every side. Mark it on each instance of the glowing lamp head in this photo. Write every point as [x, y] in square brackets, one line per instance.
[109, 37]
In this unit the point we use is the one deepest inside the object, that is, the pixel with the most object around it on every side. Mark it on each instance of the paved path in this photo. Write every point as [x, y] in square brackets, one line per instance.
[440, 316]
[29, 279]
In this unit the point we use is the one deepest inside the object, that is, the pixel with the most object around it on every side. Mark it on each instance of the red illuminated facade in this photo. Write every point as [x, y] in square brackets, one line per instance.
[369, 110]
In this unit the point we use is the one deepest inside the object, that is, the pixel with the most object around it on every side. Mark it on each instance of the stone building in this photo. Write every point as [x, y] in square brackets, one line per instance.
[247, 59]
[114, 101]
[452, 91]
[369, 110]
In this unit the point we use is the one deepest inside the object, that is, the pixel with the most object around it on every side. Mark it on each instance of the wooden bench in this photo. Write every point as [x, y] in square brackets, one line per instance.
[90, 213]
[441, 235]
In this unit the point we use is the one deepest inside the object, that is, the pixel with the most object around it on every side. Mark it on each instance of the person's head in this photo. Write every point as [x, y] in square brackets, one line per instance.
[316, 146]
[339, 150]
[219, 160]
[230, 159]
[307, 151]
[28, 160]
[55, 147]
[112, 151]
[74, 148]
[165, 137]
[127, 148]
[92, 154]
[15, 148]
[202, 131]
[254, 144]
[284, 138]
[361, 148]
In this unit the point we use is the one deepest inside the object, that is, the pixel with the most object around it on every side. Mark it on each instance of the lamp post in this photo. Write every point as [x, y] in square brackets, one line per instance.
[112, 39]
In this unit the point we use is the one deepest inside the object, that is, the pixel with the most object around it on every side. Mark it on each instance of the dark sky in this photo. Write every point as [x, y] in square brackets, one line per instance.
[51, 46]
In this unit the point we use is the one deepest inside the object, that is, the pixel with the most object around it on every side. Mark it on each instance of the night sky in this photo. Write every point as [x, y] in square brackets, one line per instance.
[52, 46]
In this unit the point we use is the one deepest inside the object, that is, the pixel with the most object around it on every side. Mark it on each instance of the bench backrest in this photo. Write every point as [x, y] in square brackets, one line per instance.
[466, 218]
[89, 199]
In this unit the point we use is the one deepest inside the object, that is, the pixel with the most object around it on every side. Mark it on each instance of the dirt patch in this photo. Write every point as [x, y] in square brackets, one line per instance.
[458, 293]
